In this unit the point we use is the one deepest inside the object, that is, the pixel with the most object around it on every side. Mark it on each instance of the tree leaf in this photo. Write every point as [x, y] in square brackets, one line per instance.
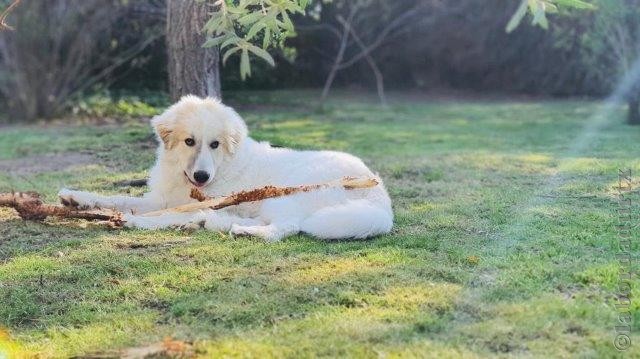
[266, 39]
[254, 30]
[517, 17]
[250, 18]
[214, 41]
[578, 4]
[214, 23]
[263, 54]
[551, 8]
[304, 4]
[228, 54]
[245, 66]
[232, 40]
[288, 25]
[539, 15]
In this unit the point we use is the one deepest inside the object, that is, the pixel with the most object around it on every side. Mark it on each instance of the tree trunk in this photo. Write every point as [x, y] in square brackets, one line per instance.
[634, 109]
[193, 69]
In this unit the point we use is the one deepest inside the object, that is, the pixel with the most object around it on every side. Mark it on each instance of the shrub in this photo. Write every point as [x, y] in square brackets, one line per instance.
[62, 48]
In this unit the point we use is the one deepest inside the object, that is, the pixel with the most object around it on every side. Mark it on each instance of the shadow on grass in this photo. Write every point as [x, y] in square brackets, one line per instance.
[76, 283]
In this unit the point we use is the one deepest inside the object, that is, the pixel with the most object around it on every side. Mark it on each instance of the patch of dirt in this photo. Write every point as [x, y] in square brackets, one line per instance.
[45, 163]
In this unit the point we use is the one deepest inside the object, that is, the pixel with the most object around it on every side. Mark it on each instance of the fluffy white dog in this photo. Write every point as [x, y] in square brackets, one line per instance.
[204, 143]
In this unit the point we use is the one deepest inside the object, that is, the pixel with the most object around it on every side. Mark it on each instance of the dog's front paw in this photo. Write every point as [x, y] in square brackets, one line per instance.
[191, 226]
[142, 222]
[76, 199]
[267, 233]
[133, 221]
[238, 230]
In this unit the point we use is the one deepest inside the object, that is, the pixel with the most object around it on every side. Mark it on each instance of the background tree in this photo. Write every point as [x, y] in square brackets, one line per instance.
[459, 46]
[236, 24]
[360, 27]
[193, 69]
[197, 30]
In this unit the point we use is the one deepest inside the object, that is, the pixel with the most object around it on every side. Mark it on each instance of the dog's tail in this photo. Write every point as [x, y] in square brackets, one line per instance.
[354, 219]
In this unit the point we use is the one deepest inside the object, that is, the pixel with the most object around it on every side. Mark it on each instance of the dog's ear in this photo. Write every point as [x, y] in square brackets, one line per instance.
[163, 131]
[236, 131]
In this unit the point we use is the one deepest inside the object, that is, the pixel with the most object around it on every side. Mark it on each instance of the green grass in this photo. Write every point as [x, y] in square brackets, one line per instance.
[503, 244]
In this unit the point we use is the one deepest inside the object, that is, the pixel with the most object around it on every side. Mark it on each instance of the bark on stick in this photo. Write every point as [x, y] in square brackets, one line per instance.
[263, 193]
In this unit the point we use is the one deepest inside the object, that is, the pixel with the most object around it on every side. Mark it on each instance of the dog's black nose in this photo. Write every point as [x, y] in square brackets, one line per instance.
[201, 176]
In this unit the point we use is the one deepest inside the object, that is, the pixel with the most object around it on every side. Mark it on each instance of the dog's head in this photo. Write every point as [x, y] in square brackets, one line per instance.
[197, 135]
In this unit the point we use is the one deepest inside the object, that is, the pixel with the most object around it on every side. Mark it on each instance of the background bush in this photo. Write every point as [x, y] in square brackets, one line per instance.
[64, 48]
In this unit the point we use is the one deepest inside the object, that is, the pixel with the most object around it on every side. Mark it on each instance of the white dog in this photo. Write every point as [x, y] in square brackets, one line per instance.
[204, 143]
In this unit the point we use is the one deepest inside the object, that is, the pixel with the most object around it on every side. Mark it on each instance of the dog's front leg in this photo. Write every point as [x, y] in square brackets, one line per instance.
[271, 233]
[126, 204]
[281, 214]
[168, 220]
[223, 221]
[209, 219]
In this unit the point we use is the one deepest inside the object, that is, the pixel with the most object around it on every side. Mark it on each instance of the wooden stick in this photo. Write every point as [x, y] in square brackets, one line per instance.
[29, 206]
[259, 194]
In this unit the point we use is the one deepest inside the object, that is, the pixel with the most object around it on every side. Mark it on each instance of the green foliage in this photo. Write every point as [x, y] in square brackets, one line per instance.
[251, 27]
[539, 9]
[606, 42]
[125, 106]
[613, 40]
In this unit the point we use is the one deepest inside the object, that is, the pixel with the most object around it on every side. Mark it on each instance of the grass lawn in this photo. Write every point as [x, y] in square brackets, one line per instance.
[504, 241]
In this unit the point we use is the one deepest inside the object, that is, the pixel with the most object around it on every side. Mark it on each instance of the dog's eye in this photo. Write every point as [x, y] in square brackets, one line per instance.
[214, 144]
[189, 142]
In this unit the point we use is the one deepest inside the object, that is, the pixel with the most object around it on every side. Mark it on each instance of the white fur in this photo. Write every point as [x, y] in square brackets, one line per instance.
[241, 163]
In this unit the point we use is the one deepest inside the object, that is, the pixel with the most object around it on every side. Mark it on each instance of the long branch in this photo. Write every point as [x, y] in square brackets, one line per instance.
[263, 193]
[30, 207]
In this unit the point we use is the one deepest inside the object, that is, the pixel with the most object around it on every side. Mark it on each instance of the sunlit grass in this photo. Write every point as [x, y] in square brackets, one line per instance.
[455, 278]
